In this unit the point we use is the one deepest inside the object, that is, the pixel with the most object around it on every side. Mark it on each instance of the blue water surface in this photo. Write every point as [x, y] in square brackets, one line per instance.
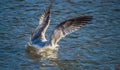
[94, 47]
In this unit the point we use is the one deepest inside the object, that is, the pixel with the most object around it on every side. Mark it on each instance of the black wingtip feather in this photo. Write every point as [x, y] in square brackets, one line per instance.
[82, 20]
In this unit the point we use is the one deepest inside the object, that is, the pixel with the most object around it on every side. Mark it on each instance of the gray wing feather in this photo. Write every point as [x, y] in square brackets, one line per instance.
[39, 32]
[72, 25]
[68, 27]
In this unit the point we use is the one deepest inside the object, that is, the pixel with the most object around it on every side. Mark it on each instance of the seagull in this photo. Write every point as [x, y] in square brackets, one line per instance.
[38, 39]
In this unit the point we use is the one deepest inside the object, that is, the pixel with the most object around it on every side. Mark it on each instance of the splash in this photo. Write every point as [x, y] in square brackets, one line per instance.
[42, 53]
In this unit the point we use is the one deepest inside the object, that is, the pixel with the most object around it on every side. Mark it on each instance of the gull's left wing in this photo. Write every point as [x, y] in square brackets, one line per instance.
[39, 32]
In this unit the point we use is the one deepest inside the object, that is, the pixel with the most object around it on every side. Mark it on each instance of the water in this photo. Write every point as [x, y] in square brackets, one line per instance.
[95, 47]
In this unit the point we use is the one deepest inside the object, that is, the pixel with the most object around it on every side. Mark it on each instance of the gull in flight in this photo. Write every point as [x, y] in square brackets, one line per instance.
[38, 39]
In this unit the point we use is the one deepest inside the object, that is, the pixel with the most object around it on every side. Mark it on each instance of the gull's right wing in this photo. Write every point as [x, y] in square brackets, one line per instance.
[68, 27]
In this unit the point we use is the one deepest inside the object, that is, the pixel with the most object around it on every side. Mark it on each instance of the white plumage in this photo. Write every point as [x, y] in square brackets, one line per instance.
[38, 39]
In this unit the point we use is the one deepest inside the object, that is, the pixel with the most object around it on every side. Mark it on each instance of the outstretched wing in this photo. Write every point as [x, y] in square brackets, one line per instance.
[39, 32]
[68, 27]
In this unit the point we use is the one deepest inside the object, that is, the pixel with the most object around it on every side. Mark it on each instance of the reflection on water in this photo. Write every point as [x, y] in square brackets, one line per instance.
[95, 47]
